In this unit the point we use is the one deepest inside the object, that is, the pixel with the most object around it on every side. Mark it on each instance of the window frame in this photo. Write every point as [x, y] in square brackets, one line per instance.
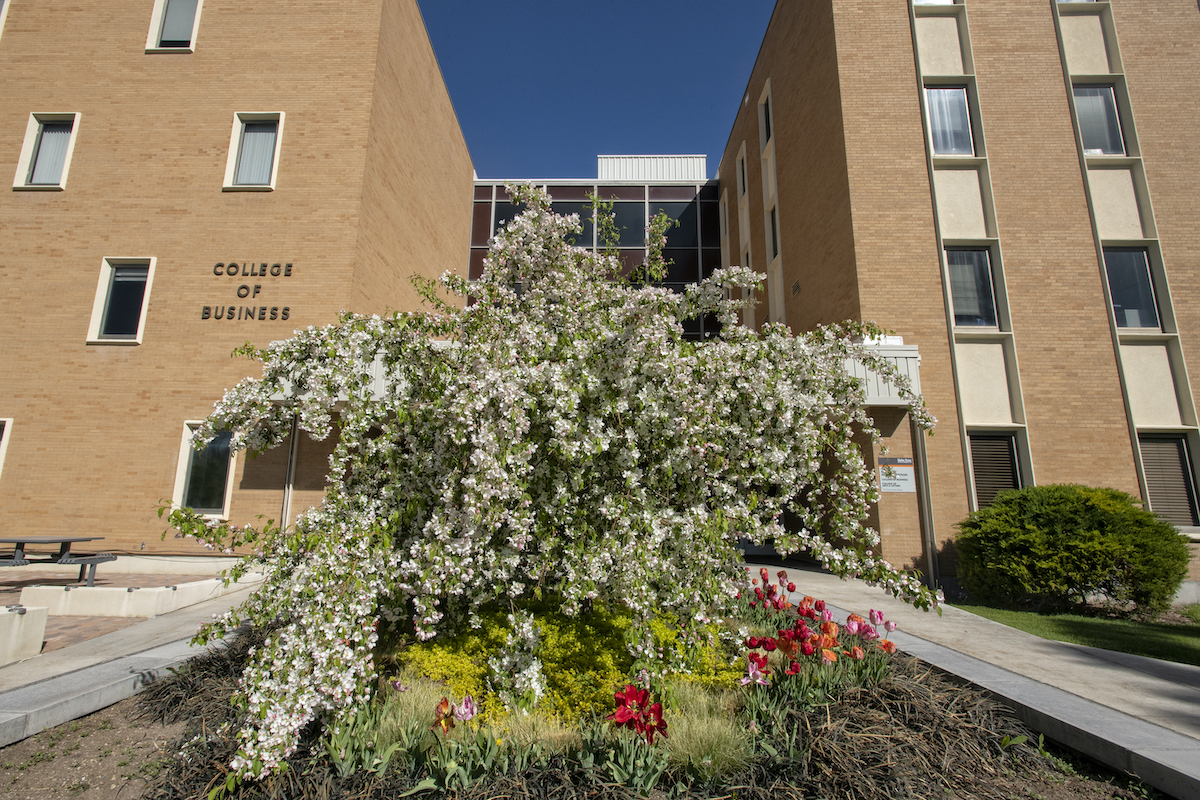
[108, 269]
[30, 146]
[158, 17]
[996, 324]
[6, 426]
[1188, 477]
[766, 121]
[966, 91]
[1148, 265]
[1116, 110]
[1014, 448]
[183, 472]
[236, 136]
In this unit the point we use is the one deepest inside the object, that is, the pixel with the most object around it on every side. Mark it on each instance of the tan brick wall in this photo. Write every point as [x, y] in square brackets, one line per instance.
[95, 440]
[898, 264]
[1069, 382]
[405, 233]
[1160, 47]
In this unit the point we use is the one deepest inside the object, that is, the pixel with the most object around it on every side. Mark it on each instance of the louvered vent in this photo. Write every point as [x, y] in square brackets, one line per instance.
[796, 288]
[1169, 478]
[994, 462]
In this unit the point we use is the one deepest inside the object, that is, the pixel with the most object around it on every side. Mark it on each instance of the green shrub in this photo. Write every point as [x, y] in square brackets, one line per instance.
[1061, 545]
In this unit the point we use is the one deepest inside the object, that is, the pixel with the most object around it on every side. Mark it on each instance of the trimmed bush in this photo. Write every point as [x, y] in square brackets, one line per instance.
[1063, 545]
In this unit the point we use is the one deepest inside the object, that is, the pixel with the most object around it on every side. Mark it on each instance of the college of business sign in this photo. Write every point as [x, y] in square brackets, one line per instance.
[254, 280]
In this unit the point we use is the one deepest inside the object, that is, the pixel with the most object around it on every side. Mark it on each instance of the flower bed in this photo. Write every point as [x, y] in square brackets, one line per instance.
[777, 710]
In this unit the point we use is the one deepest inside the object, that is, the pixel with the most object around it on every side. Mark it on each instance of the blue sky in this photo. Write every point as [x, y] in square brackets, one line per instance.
[541, 87]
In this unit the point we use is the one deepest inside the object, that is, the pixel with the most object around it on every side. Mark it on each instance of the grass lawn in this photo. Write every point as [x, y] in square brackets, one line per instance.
[1180, 643]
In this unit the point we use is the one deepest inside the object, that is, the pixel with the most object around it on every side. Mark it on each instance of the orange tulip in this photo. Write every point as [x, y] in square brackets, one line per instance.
[887, 645]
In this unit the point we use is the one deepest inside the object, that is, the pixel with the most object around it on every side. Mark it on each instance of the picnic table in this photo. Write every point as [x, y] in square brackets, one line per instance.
[20, 558]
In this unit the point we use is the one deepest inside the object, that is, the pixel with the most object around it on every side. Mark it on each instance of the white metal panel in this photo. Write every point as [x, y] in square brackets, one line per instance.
[652, 168]
[905, 358]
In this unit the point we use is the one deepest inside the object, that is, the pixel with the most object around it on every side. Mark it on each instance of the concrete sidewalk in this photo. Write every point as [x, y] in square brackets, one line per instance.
[84, 677]
[1140, 715]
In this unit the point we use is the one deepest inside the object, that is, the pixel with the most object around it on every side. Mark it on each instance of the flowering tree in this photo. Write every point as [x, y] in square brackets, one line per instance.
[558, 435]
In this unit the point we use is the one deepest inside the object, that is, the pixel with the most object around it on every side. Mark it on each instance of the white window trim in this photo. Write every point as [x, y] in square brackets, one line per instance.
[775, 298]
[235, 146]
[6, 433]
[156, 23]
[186, 448]
[4, 4]
[24, 165]
[765, 102]
[107, 267]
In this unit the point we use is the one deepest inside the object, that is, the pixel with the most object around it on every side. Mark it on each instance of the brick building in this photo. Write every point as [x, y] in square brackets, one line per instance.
[189, 176]
[1007, 185]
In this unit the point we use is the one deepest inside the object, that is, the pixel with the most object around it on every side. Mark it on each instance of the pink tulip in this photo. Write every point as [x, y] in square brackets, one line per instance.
[876, 616]
[889, 626]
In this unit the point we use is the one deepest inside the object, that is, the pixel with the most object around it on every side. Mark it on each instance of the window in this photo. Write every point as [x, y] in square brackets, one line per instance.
[119, 310]
[1131, 287]
[949, 121]
[253, 152]
[202, 478]
[173, 26]
[971, 286]
[741, 176]
[46, 151]
[1099, 124]
[3, 14]
[774, 233]
[5, 435]
[766, 119]
[994, 462]
[1169, 479]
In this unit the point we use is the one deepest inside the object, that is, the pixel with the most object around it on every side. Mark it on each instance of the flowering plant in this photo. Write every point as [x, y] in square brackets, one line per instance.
[558, 433]
[635, 711]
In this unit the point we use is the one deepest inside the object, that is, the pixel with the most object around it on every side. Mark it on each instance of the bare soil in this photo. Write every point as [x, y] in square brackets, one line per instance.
[109, 754]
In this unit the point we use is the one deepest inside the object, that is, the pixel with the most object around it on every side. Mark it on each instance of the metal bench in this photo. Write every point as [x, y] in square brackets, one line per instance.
[87, 563]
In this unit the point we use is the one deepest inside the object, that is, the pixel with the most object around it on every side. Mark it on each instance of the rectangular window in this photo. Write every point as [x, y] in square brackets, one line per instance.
[254, 152]
[3, 14]
[774, 232]
[1099, 123]
[1131, 287]
[119, 310]
[5, 435]
[994, 462]
[949, 121]
[971, 286]
[741, 176]
[173, 26]
[1169, 478]
[202, 480]
[766, 117]
[46, 151]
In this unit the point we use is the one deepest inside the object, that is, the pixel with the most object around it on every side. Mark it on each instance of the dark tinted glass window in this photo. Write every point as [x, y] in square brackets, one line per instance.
[505, 212]
[971, 287]
[207, 476]
[584, 210]
[123, 310]
[710, 224]
[1131, 288]
[686, 232]
[631, 222]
